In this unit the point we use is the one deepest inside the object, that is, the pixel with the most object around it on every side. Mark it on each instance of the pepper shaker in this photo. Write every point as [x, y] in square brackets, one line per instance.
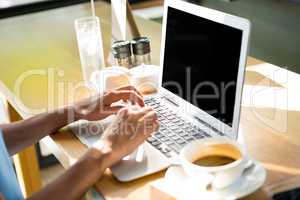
[141, 51]
[121, 51]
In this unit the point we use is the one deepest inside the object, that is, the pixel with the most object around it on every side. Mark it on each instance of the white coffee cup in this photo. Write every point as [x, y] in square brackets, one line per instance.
[145, 78]
[217, 177]
[110, 78]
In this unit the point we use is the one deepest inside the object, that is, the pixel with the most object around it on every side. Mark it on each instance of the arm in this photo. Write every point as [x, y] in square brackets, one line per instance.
[21, 134]
[130, 128]
[76, 181]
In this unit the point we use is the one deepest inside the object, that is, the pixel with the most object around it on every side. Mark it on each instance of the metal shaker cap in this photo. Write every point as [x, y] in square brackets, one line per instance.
[141, 45]
[121, 49]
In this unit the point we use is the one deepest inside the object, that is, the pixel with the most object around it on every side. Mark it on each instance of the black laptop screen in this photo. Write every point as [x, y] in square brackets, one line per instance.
[201, 62]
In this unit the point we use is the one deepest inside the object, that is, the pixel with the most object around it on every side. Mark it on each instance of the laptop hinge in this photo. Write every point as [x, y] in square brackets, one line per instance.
[208, 125]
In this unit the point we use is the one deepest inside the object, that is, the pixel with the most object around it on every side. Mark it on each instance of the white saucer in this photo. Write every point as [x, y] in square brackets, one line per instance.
[177, 182]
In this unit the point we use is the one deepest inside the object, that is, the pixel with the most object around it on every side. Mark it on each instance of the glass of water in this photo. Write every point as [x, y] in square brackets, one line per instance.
[90, 46]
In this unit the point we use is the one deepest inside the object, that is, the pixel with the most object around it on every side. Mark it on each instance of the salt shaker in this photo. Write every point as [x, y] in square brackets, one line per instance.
[141, 51]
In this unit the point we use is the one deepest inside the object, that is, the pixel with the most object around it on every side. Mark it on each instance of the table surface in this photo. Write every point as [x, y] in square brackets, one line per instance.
[40, 68]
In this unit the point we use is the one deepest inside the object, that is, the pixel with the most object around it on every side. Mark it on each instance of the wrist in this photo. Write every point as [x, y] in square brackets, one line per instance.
[75, 111]
[95, 161]
[104, 152]
[91, 165]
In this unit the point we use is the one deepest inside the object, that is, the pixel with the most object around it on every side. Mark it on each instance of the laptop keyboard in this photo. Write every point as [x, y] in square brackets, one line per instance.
[174, 132]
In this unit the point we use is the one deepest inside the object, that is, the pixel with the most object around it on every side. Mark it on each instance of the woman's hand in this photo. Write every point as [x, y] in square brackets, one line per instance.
[99, 107]
[129, 129]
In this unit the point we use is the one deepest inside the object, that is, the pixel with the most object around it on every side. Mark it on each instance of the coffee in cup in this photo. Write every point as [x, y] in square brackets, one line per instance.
[214, 160]
[217, 155]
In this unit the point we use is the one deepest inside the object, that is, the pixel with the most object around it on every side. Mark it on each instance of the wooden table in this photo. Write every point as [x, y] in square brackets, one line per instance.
[39, 54]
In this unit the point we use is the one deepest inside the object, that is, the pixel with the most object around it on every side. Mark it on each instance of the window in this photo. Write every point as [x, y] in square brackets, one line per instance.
[9, 8]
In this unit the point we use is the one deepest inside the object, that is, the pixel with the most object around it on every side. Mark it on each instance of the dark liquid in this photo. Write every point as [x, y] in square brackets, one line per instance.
[214, 161]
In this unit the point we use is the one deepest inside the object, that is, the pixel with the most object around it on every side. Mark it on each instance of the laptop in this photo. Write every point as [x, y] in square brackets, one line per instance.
[203, 58]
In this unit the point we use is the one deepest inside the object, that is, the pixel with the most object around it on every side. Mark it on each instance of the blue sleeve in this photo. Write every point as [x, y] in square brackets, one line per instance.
[9, 186]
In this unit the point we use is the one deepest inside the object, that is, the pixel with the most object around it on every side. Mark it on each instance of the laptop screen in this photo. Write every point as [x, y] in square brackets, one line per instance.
[201, 62]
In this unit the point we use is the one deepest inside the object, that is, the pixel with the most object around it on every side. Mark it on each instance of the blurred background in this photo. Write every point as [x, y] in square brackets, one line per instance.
[276, 23]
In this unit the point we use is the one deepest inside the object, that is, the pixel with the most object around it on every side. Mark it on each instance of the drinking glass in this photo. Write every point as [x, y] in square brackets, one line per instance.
[90, 46]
